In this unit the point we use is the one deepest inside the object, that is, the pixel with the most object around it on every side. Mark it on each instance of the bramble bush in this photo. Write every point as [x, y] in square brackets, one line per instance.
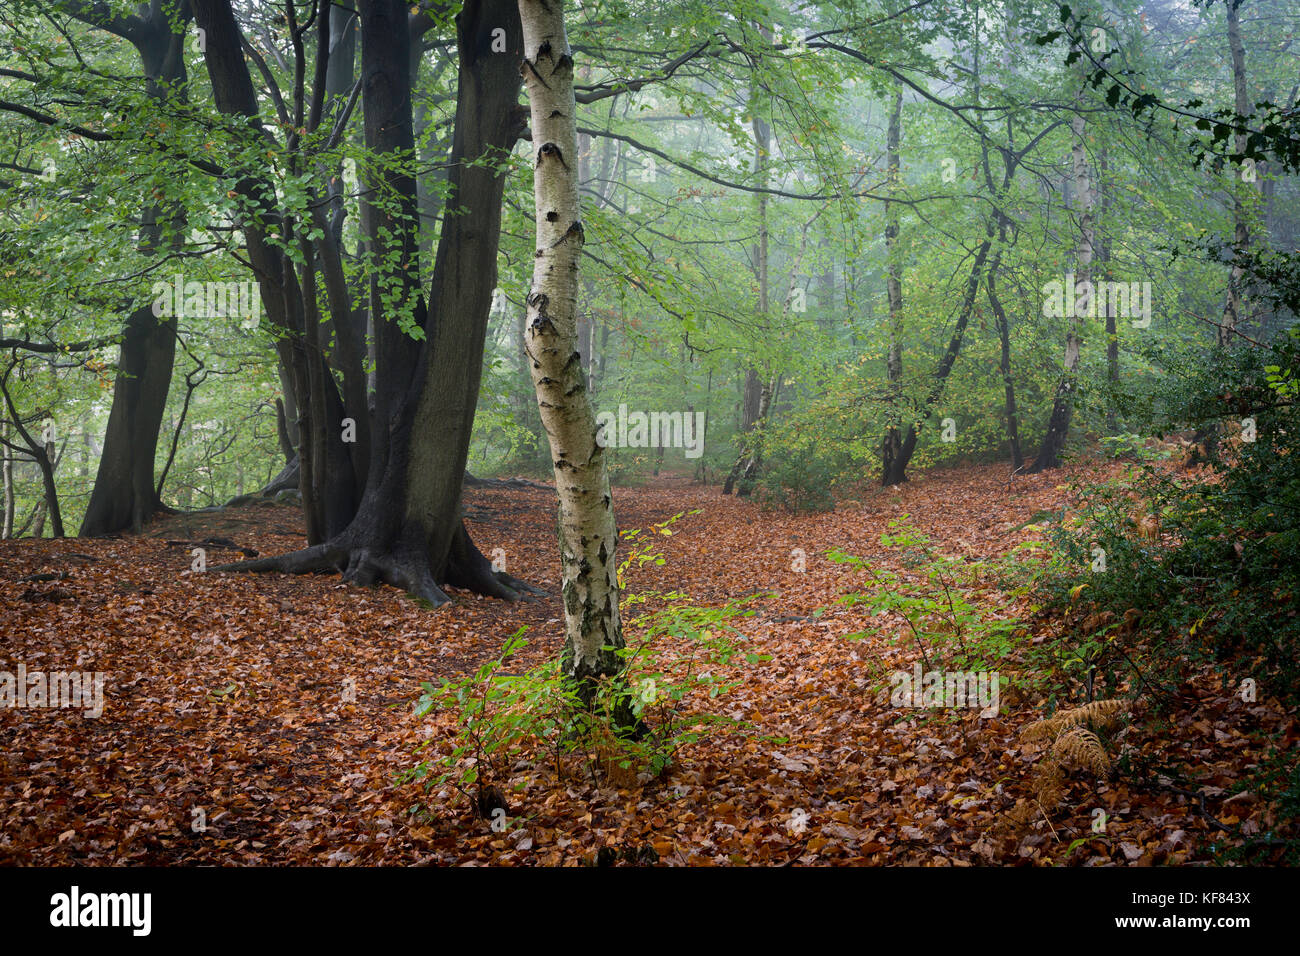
[1211, 560]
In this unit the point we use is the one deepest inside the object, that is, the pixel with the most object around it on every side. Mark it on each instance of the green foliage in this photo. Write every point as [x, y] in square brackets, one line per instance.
[1132, 447]
[498, 715]
[509, 722]
[798, 471]
[935, 600]
[1212, 562]
[1277, 782]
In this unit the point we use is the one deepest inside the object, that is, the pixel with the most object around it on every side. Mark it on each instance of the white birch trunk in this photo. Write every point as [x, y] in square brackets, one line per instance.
[586, 525]
[1086, 196]
[8, 521]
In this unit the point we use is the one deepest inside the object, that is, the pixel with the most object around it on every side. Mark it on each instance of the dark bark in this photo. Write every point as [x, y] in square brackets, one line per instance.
[898, 472]
[756, 398]
[893, 470]
[1009, 386]
[744, 472]
[328, 467]
[124, 494]
[1058, 425]
[407, 528]
[1112, 323]
[46, 462]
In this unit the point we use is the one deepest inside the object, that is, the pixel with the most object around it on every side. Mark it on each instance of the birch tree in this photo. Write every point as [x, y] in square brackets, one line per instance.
[890, 472]
[587, 535]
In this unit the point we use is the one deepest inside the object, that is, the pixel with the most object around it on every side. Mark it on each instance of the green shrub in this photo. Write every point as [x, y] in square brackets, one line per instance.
[1211, 561]
[509, 723]
[798, 471]
[948, 627]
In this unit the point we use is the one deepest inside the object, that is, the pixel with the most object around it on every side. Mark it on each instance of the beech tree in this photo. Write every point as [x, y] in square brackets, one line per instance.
[125, 495]
[385, 506]
[1085, 193]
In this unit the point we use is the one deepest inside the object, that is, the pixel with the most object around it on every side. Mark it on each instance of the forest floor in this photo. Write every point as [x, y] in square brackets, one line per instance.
[226, 705]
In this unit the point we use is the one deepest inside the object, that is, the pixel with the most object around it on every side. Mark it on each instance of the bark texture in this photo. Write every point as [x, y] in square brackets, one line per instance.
[593, 630]
[387, 507]
[891, 464]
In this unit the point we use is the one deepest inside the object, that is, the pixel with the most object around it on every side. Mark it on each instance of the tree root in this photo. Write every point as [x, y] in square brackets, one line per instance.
[367, 567]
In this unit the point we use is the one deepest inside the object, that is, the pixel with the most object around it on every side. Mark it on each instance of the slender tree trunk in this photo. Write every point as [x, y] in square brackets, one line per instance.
[1008, 383]
[1058, 426]
[1234, 306]
[892, 467]
[753, 408]
[593, 629]
[1206, 439]
[745, 471]
[751, 402]
[46, 461]
[37, 520]
[7, 531]
[1112, 323]
[949, 357]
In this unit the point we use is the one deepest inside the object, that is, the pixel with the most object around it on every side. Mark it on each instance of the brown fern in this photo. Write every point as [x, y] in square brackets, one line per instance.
[1080, 747]
[1073, 744]
[1102, 714]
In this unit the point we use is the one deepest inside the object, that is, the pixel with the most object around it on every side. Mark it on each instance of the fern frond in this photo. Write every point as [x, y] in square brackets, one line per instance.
[1082, 748]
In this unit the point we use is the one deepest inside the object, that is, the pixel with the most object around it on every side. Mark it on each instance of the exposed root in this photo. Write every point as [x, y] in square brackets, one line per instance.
[317, 558]
[470, 569]
[366, 567]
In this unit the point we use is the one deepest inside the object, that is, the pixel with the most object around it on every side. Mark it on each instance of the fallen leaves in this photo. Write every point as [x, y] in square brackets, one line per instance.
[261, 719]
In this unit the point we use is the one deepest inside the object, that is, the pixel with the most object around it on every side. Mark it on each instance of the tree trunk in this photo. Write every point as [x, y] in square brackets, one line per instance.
[949, 358]
[1112, 323]
[588, 537]
[892, 468]
[755, 399]
[1058, 426]
[124, 495]
[407, 529]
[1206, 439]
[37, 520]
[1009, 387]
[47, 461]
[7, 530]
[1234, 306]
[745, 471]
